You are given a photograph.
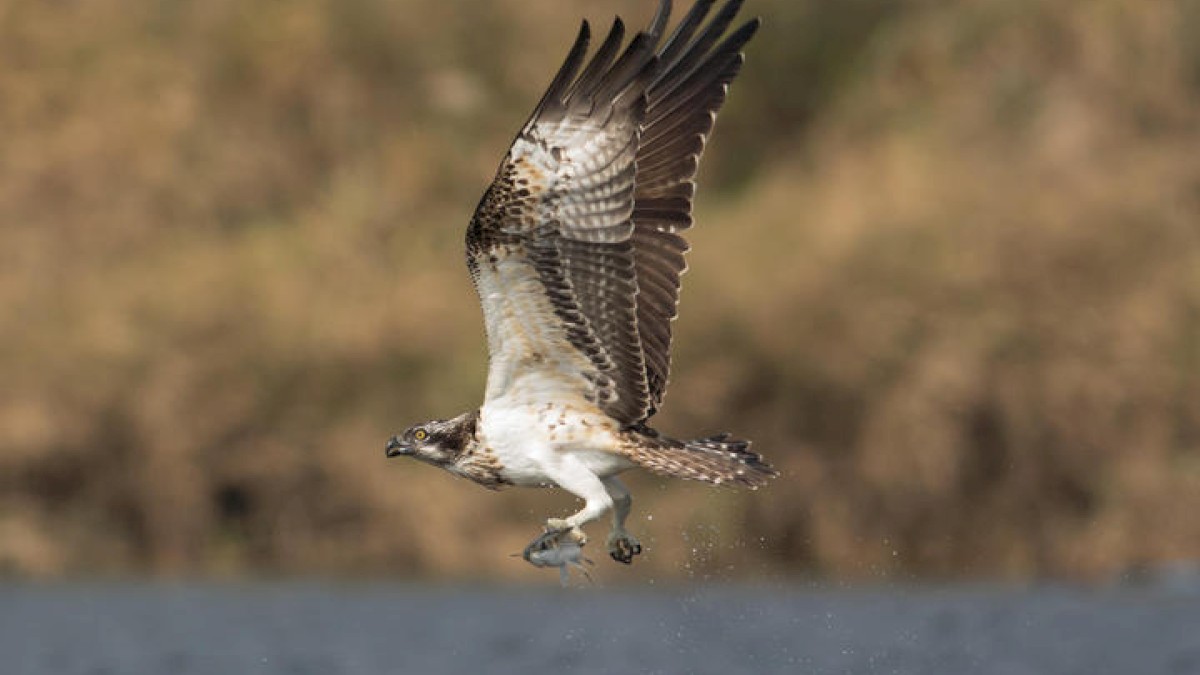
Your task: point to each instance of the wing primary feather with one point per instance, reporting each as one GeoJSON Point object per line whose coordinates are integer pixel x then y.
{"type": "Point", "coordinates": [659, 23]}
{"type": "Point", "coordinates": [566, 73]}
{"type": "Point", "coordinates": [638, 55]}
{"type": "Point", "coordinates": [681, 84]}
{"type": "Point", "coordinates": [694, 114]}
{"type": "Point", "coordinates": [683, 32]}
{"type": "Point", "coordinates": [637, 67]}
{"type": "Point", "coordinates": [715, 28]}
{"type": "Point", "coordinates": [697, 50]}
{"type": "Point", "coordinates": [738, 39]}
{"type": "Point", "coordinates": [587, 82]}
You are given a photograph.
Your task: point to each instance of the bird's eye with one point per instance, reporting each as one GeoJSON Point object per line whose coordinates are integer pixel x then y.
{"type": "Point", "coordinates": [420, 434]}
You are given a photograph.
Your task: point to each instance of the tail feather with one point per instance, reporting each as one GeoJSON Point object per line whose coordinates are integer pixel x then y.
{"type": "Point", "coordinates": [718, 459]}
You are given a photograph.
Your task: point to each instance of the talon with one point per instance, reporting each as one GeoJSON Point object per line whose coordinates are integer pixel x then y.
{"type": "Point", "coordinates": [622, 547]}
{"type": "Point", "coordinates": [565, 531]}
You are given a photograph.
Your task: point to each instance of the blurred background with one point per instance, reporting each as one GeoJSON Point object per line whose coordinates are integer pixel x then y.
{"type": "Point", "coordinates": [946, 274]}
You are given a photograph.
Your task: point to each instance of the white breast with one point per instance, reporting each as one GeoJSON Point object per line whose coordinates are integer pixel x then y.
{"type": "Point", "coordinates": [531, 441]}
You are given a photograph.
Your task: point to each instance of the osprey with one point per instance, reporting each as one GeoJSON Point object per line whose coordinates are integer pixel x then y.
{"type": "Point", "coordinates": [576, 251]}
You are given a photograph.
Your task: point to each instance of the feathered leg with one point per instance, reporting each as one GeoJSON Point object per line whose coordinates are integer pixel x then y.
{"type": "Point", "coordinates": [571, 475]}
{"type": "Point", "coordinates": [622, 546]}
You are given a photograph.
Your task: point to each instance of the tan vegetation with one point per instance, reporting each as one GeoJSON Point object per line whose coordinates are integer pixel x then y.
{"type": "Point", "coordinates": [946, 274]}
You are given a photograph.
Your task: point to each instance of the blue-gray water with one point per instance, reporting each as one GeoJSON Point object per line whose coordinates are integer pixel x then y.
{"type": "Point", "coordinates": [331, 629]}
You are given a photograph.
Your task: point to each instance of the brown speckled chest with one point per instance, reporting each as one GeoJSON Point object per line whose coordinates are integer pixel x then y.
{"type": "Point", "coordinates": [480, 465]}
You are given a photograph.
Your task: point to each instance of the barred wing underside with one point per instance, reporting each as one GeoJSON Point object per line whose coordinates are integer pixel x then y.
{"type": "Point", "coordinates": [574, 248]}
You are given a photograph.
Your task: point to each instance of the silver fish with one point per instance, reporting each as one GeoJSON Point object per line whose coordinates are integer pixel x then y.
{"type": "Point", "coordinates": [561, 555]}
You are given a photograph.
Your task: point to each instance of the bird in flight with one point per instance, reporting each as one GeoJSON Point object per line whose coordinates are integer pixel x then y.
{"type": "Point", "coordinates": [576, 250]}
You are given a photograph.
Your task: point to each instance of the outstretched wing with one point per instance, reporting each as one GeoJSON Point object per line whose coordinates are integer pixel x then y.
{"type": "Point", "coordinates": [682, 106]}
{"type": "Point", "coordinates": [585, 210]}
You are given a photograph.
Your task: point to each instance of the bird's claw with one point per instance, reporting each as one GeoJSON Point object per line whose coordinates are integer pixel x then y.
{"type": "Point", "coordinates": [566, 531]}
{"type": "Point", "coordinates": [622, 547]}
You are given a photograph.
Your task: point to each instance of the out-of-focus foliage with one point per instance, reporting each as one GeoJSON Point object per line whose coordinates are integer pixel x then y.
{"type": "Point", "coordinates": [946, 274]}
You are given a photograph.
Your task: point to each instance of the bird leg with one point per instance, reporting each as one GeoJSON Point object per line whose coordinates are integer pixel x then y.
{"type": "Point", "coordinates": [622, 546]}
{"type": "Point", "coordinates": [572, 476]}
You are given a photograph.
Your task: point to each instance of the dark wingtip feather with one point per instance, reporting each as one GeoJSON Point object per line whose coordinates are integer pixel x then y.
{"type": "Point", "coordinates": [587, 83]}
{"type": "Point", "coordinates": [566, 73]}
{"type": "Point", "coordinates": [659, 23]}
{"type": "Point", "coordinates": [683, 32]}
{"type": "Point", "coordinates": [738, 39]}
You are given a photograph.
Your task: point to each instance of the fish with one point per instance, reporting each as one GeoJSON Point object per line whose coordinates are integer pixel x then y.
{"type": "Point", "coordinates": [562, 555]}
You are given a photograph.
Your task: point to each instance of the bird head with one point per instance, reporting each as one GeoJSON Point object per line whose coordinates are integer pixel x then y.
{"type": "Point", "coordinates": [436, 442]}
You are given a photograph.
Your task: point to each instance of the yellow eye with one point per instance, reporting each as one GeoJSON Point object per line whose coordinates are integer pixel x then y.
{"type": "Point", "coordinates": [420, 434]}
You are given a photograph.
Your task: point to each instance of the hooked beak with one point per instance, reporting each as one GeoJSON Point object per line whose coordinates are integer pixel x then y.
{"type": "Point", "coordinates": [395, 447]}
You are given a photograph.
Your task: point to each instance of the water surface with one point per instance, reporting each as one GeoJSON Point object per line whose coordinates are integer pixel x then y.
{"type": "Point", "coordinates": [331, 629]}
